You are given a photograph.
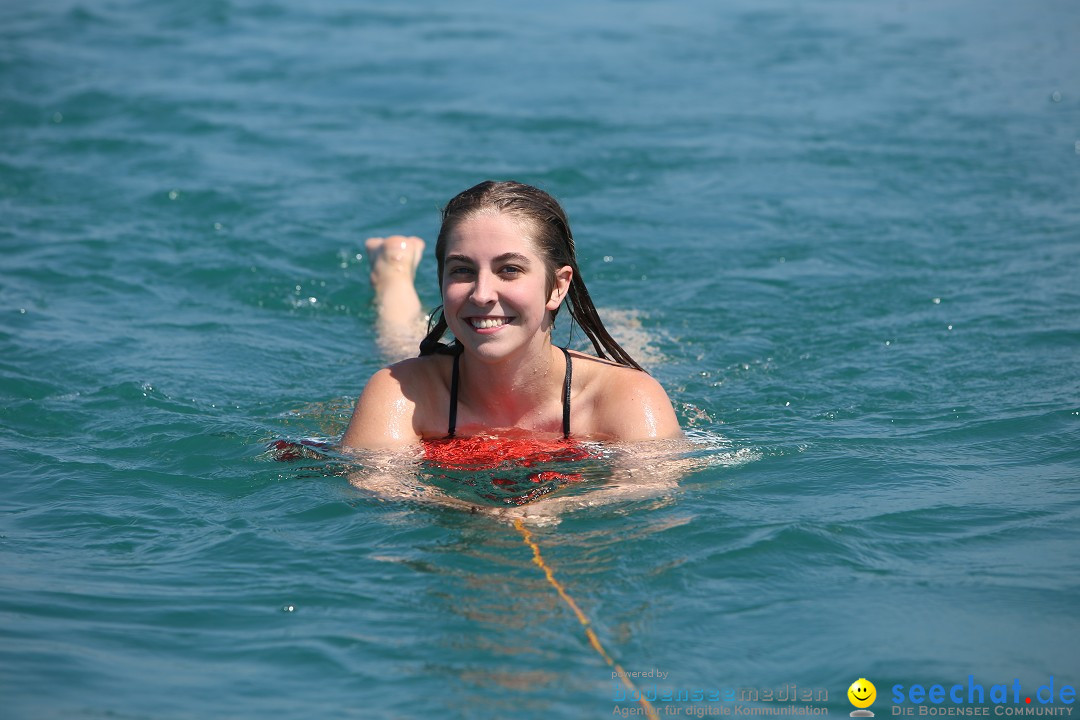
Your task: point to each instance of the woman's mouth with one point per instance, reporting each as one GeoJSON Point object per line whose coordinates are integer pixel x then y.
{"type": "Point", "coordinates": [488, 323]}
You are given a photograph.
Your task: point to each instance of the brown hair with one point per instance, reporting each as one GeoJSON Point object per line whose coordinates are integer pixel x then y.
{"type": "Point", "coordinates": [554, 241]}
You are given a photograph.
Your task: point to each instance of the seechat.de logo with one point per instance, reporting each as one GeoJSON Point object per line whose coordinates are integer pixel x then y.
{"type": "Point", "coordinates": [862, 694]}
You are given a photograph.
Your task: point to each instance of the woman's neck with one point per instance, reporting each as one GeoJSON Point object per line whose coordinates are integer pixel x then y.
{"type": "Point", "coordinates": [509, 393]}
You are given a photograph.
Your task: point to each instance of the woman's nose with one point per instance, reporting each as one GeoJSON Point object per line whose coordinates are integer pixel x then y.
{"type": "Point", "coordinates": [483, 292]}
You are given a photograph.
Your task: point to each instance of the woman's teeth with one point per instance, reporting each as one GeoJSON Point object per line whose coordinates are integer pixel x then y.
{"type": "Point", "coordinates": [487, 323]}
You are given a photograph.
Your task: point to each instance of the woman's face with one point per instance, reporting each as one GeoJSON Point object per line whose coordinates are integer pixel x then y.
{"type": "Point", "coordinates": [495, 287]}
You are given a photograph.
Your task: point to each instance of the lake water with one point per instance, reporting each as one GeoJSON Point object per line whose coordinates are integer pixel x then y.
{"type": "Point", "coordinates": [845, 236]}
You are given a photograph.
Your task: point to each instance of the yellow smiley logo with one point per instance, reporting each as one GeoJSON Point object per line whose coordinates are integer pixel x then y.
{"type": "Point", "coordinates": [862, 693]}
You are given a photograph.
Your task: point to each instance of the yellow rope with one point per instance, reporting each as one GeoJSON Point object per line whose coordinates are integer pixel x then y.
{"type": "Point", "coordinates": [650, 711]}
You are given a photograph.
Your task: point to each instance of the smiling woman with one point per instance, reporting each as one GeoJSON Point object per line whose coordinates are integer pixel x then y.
{"type": "Point", "coordinates": [506, 265]}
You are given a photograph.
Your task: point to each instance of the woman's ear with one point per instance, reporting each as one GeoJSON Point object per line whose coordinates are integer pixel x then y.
{"type": "Point", "coordinates": [563, 276]}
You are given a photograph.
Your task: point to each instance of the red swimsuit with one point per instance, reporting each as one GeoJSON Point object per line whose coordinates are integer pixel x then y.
{"type": "Point", "coordinates": [484, 452]}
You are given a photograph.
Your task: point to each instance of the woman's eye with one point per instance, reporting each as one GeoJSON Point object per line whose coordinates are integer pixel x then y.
{"type": "Point", "coordinates": [511, 270]}
{"type": "Point", "coordinates": [461, 270]}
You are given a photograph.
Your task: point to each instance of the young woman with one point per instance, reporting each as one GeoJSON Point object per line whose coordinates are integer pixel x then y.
{"type": "Point", "coordinates": [506, 266]}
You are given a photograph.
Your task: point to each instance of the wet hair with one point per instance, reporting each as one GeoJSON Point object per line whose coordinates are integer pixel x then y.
{"type": "Point", "coordinates": [542, 214]}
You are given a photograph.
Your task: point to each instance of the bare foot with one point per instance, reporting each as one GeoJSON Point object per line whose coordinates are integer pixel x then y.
{"type": "Point", "coordinates": [393, 259]}
{"type": "Point", "coordinates": [401, 321]}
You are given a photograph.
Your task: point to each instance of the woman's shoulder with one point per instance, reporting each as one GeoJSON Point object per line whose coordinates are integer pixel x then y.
{"type": "Point", "coordinates": [626, 403]}
{"type": "Point", "coordinates": [606, 371]}
{"type": "Point", "coordinates": [416, 379]}
{"type": "Point", "coordinates": [399, 403]}
{"type": "Point", "coordinates": [621, 385]}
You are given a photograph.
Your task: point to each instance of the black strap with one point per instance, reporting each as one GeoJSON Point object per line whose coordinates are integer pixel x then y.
{"type": "Point", "coordinates": [566, 395]}
{"type": "Point", "coordinates": [452, 425]}
{"type": "Point", "coordinates": [453, 398]}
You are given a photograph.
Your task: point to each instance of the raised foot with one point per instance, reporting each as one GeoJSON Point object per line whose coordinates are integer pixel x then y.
{"type": "Point", "coordinates": [393, 258]}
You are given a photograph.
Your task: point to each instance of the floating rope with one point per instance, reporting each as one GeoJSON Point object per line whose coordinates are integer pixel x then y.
{"type": "Point", "coordinates": [650, 711]}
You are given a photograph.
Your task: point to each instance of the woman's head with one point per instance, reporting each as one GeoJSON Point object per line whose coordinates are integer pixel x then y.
{"type": "Point", "coordinates": [544, 222]}
{"type": "Point", "coordinates": [538, 213]}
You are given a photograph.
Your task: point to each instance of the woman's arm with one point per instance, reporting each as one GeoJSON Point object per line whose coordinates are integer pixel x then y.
{"type": "Point", "coordinates": [640, 471]}
{"type": "Point", "coordinates": [383, 417]}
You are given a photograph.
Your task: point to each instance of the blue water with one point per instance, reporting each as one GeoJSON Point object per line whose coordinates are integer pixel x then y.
{"type": "Point", "coordinates": [844, 235]}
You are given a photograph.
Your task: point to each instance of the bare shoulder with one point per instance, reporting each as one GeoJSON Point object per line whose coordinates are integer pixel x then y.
{"type": "Point", "coordinates": [627, 404]}
{"type": "Point", "coordinates": [391, 410]}
{"type": "Point", "coordinates": [405, 379]}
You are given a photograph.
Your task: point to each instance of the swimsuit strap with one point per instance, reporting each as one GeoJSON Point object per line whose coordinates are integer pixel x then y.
{"type": "Point", "coordinates": [454, 381]}
{"type": "Point", "coordinates": [453, 398]}
{"type": "Point", "coordinates": [566, 395]}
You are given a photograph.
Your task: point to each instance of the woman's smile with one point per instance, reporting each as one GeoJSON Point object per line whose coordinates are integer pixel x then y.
{"type": "Point", "coordinates": [488, 324]}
